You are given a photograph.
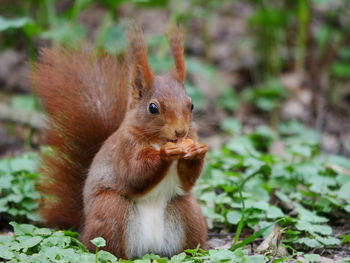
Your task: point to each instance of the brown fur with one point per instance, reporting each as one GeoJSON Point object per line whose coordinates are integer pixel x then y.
{"type": "Point", "coordinates": [136, 58]}
{"type": "Point", "coordinates": [195, 228]}
{"type": "Point", "coordinates": [141, 178]}
{"type": "Point", "coordinates": [103, 138]}
{"type": "Point", "coordinates": [176, 38]}
{"type": "Point", "coordinates": [189, 171]}
{"type": "Point", "coordinates": [108, 223]}
{"type": "Point", "coordinates": [73, 87]}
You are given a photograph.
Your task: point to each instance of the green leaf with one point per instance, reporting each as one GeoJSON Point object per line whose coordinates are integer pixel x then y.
{"type": "Point", "coordinates": [302, 150]}
{"type": "Point", "coordinates": [339, 161]}
{"type": "Point", "coordinates": [29, 204]}
{"type": "Point", "coordinates": [5, 252]}
{"type": "Point", "coordinates": [243, 146]}
{"type": "Point", "coordinates": [310, 242]}
{"type": "Point", "coordinates": [26, 162]}
{"type": "Point", "coordinates": [151, 256]}
{"type": "Point", "coordinates": [313, 228]}
{"type": "Point", "coordinates": [98, 242]}
{"type": "Point", "coordinates": [31, 242]}
{"type": "Point", "coordinates": [274, 212]}
{"type": "Point", "coordinates": [105, 256]}
{"type": "Point", "coordinates": [345, 239]}
{"type": "Point", "coordinates": [233, 217]}
{"type": "Point", "coordinates": [178, 258]}
{"type": "Point", "coordinates": [221, 255]}
{"type": "Point", "coordinates": [8, 23]}
{"type": "Point", "coordinates": [309, 216]}
{"type": "Point", "coordinates": [344, 192]}
{"type": "Point", "coordinates": [253, 164]}
{"type": "Point", "coordinates": [42, 232]}
{"type": "Point", "coordinates": [328, 240]}
{"type": "Point", "coordinates": [22, 229]}
{"type": "Point", "coordinates": [142, 261]}
{"type": "Point", "coordinates": [208, 197]}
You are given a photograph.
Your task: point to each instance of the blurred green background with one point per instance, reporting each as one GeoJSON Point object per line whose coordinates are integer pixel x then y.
{"type": "Point", "coordinates": [258, 61]}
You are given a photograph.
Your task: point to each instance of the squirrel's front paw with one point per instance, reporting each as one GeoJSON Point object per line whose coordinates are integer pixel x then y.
{"type": "Point", "coordinates": [195, 151]}
{"type": "Point", "coordinates": [171, 151]}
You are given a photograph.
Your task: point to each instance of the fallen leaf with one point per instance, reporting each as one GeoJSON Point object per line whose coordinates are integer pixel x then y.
{"type": "Point", "coordinates": [272, 244]}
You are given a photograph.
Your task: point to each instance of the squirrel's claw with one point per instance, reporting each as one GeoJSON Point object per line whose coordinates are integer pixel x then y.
{"type": "Point", "coordinates": [171, 151]}
{"type": "Point", "coordinates": [196, 151]}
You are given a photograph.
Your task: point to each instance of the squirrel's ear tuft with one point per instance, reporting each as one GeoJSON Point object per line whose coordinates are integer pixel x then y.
{"type": "Point", "coordinates": [137, 61]}
{"type": "Point", "coordinates": [175, 38]}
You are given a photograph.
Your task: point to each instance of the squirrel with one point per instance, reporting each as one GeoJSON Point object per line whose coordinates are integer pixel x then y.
{"type": "Point", "coordinates": [124, 150]}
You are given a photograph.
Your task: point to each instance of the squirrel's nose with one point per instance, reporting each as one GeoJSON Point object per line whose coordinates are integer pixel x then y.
{"type": "Point", "coordinates": [180, 133]}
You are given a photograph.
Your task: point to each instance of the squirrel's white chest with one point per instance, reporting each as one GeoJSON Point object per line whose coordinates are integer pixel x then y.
{"type": "Point", "coordinates": [152, 226]}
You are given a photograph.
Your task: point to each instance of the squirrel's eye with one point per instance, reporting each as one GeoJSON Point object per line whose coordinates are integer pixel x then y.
{"type": "Point", "coordinates": [192, 107]}
{"type": "Point", "coordinates": [153, 108]}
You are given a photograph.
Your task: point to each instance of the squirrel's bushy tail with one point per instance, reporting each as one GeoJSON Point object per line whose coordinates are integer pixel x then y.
{"type": "Point", "coordinates": [85, 100]}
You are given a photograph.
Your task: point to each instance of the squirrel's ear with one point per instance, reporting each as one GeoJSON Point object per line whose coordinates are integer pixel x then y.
{"type": "Point", "coordinates": [137, 61]}
{"type": "Point", "coordinates": [175, 38]}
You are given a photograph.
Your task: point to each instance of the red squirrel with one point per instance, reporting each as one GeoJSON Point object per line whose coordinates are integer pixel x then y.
{"type": "Point", "coordinates": [125, 153]}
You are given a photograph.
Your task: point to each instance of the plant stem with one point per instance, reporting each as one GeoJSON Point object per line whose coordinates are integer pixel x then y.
{"type": "Point", "coordinates": [243, 217]}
